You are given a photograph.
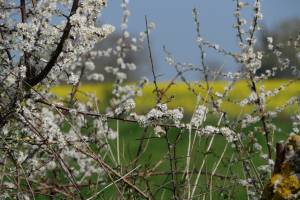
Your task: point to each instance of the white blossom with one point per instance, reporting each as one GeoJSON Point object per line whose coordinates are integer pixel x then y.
{"type": "Point", "coordinates": [73, 79]}
{"type": "Point", "coordinates": [199, 116]}
{"type": "Point", "coordinates": [228, 134]}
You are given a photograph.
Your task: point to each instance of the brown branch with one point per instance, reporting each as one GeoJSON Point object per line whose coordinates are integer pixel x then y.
{"type": "Point", "coordinates": [29, 70]}
{"type": "Point", "coordinates": [110, 170]}
{"type": "Point", "coordinates": [6, 49]}
{"type": "Point", "coordinates": [23, 10]}
{"type": "Point", "coordinates": [263, 118]}
{"type": "Point", "coordinates": [239, 23]}
{"type": "Point", "coordinates": [172, 162]}
{"type": "Point", "coordinates": [158, 95]}
{"type": "Point", "coordinates": [67, 110]}
{"type": "Point", "coordinates": [280, 155]}
{"type": "Point", "coordinates": [43, 74]}
{"type": "Point", "coordinates": [76, 86]}
{"type": "Point", "coordinates": [60, 160]}
{"type": "Point", "coordinates": [152, 173]}
{"type": "Point", "coordinates": [33, 2]}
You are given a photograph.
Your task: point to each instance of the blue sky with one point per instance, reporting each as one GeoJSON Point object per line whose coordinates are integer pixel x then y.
{"type": "Point", "coordinates": [175, 27]}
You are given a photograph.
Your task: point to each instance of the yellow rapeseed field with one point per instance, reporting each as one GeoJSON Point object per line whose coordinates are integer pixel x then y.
{"type": "Point", "coordinates": [181, 96]}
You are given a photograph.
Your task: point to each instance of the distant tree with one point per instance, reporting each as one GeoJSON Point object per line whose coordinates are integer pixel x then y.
{"type": "Point", "coordinates": [283, 36]}
{"type": "Point", "coordinates": [138, 58]}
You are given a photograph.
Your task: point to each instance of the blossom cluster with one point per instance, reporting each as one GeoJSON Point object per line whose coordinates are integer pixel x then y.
{"type": "Point", "coordinates": [161, 114]}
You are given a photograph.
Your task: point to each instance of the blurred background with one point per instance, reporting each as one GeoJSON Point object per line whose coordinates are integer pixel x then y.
{"type": "Point", "coordinates": [175, 29]}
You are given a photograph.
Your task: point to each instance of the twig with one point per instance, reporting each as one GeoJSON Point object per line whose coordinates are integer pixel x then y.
{"type": "Point", "coordinates": [152, 64]}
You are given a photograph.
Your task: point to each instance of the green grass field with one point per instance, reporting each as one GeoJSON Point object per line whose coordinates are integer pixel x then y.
{"type": "Point", "coordinates": [129, 142]}
{"type": "Point", "coordinates": [157, 149]}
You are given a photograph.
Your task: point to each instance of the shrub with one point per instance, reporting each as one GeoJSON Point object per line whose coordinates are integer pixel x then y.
{"type": "Point", "coordinates": [62, 148]}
